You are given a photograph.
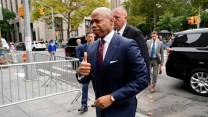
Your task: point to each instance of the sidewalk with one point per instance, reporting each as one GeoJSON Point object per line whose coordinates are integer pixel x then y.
{"type": "Point", "coordinates": [56, 106]}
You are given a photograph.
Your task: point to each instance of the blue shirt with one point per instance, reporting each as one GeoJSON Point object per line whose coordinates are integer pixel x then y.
{"type": "Point", "coordinates": [51, 47]}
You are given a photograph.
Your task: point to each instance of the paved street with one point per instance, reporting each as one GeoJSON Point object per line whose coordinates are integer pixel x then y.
{"type": "Point", "coordinates": [171, 99]}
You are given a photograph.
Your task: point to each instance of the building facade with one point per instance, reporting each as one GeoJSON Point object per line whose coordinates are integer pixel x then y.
{"type": "Point", "coordinates": [40, 31]}
{"type": "Point", "coordinates": [115, 3]}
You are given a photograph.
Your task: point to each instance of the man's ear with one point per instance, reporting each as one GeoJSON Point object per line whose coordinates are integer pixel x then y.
{"type": "Point", "coordinates": [112, 21]}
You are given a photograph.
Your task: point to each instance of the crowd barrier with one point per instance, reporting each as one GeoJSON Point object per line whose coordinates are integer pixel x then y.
{"type": "Point", "coordinates": [42, 78]}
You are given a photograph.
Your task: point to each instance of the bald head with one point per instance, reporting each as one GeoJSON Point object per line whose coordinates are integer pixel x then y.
{"type": "Point", "coordinates": [106, 12]}
{"type": "Point", "coordinates": [78, 41]}
{"type": "Point", "coordinates": [102, 21]}
{"type": "Point", "coordinates": [120, 17]}
{"type": "Point", "coordinates": [121, 10]}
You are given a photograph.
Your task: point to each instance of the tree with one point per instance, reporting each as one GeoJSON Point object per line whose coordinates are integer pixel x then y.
{"type": "Point", "coordinates": [152, 11]}
{"type": "Point", "coordinates": [72, 12]}
{"type": "Point", "coordinates": [5, 26]}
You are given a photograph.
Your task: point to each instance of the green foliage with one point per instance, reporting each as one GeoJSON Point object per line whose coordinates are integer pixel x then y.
{"type": "Point", "coordinates": [170, 15]}
{"type": "Point", "coordinates": [4, 24]}
{"type": "Point", "coordinates": [204, 17]}
{"type": "Point", "coordinates": [72, 11]}
{"type": "Point", "coordinates": [166, 22]}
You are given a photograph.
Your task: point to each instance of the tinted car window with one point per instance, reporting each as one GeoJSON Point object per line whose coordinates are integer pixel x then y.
{"type": "Point", "coordinates": [72, 41]}
{"type": "Point", "coordinates": [191, 40]}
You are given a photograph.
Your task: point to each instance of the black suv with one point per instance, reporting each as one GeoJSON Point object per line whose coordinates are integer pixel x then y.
{"type": "Point", "coordinates": [71, 45]}
{"type": "Point", "coordinates": [188, 59]}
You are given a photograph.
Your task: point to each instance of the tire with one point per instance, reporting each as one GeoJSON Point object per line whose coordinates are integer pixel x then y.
{"type": "Point", "coordinates": [197, 81]}
{"type": "Point", "coordinates": [33, 49]}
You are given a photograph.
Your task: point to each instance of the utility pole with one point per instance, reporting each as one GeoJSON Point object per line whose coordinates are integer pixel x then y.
{"type": "Point", "coordinates": [30, 72]}
{"type": "Point", "coordinates": [199, 18]}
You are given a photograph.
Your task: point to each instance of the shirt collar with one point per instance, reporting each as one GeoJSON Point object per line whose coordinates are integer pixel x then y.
{"type": "Point", "coordinates": [108, 37]}
{"type": "Point", "coordinates": [155, 40]}
{"type": "Point", "coordinates": [122, 30]}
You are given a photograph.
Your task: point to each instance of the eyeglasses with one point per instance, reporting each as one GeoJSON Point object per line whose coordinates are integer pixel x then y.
{"type": "Point", "coordinates": [97, 21]}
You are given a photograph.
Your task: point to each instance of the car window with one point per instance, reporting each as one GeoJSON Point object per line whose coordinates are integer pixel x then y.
{"type": "Point", "coordinates": [191, 40]}
{"type": "Point", "coordinates": [180, 41]}
{"type": "Point", "coordinates": [198, 40]}
{"type": "Point", "coordinates": [72, 41]}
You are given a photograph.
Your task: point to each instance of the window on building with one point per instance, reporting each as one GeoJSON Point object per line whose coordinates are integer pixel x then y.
{"type": "Point", "coordinates": [1, 3]}
{"type": "Point", "coordinates": [74, 32]}
{"type": "Point", "coordinates": [11, 6]}
{"type": "Point", "coordinates": [16, 5]}
{"type": "Point", "coordinates": [58, 27]}
{"type": "Point", "coordinates": [5, 1]}
{"type": "Point", "coordinates": [87, 26]}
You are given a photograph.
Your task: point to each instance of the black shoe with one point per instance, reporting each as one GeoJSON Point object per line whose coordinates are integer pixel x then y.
{"type": "Point", "coordinates": [93, 105]}
{"type": "Point", "coordinates": [83, 109]}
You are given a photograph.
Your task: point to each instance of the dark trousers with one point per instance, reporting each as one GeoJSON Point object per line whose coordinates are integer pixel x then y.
{"type": "Point", "coordinates": [84, 94]}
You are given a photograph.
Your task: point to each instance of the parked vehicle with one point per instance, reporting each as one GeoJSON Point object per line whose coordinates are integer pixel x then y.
{"type": "Point", "coordinates": [5, 45]}
{"type": "Point", "coordinates": [21, 46]}
{"type": "Point", "coordinates": [188, 59]}
{"type": "Point", "coordinates": [71, 45]}
{"type": "Point", "coordinates": [36, 45]}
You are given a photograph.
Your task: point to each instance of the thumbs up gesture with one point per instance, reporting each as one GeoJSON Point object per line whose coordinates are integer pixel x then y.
{"type": "Point", "coordinates": [85, 67]}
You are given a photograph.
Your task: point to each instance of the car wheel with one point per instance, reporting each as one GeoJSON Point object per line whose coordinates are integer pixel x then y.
{"type": "Point", "coordinates": [33, 49]}
{"type": "Point", "coordinates": [198, 81]}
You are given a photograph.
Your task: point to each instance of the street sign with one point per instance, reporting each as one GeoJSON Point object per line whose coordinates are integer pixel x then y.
{"type": "Point", "coordinates": [1, 14]}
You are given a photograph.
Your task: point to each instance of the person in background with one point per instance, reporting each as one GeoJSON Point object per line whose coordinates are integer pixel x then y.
{"type": "Point", "coordinates": [89, 38]}
{"type": "Point", "coordinates": [130, 32]}
{"type": "Point", "coordinates": [78, 48]}
{"type": "Point", "coordinates": [156, 54]}
{"type": "Point", "coordinates": [12, 47]}
{"type": "Point", "coordinates": [51, 49]}
{"type": "Point", "coordinates": [115, 66]}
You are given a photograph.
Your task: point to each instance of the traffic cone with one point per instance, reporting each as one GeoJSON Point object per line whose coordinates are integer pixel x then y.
{"type": "Point", "coordinates": [24, 56]}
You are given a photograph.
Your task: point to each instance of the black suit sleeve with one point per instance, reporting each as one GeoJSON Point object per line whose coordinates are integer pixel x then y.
{"type": "Point", "coordinates": [137, 35]}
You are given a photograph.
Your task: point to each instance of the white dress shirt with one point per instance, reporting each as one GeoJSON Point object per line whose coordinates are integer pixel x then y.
{"type": "Point", "coordinates": [107, 40]}
{"type": "Point", "coordinates": [122, 30]}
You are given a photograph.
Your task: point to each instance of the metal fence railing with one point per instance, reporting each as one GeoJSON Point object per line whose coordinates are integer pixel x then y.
{"type": "Point", "coordinates": [46, 78]}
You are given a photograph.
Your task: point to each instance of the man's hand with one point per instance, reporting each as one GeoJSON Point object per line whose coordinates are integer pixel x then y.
{"type": "Point", "coordinates": [85, 67]}
{"type": "Point", "coordinates": [104, 101]}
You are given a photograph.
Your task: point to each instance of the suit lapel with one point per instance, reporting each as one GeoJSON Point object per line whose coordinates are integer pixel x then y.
{"type": "Point", "coordinates": [125, 31]}
{"type": "Point", "coordinates": [93, 55]}
{"type": "Point", "coordinates": [111, 50]}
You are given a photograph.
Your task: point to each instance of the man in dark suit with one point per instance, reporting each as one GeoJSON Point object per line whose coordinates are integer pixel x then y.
{"type": "Point", "coordinates": [89, 38]}
{"type": "Point", "coordinates": [78, 48]}
{"type": "Point", "coordinates": [125, 30]}
{"type": "Point", "coordinates": [115, 66]}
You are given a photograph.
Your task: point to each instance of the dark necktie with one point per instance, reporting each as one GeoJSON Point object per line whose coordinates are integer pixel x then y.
{"type": "Point", "coordinates": [153, 50]}
{"type": "Point", "coordinates": [100, 55]}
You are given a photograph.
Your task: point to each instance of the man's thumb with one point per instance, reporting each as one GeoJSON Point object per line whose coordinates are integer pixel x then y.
{"type": "Point", "coordinates": [85, 57]}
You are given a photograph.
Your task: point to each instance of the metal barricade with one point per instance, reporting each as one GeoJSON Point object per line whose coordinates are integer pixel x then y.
{"type": "Point", "coordinates": [14, 57]}
{"type": "Point", "coordinates": [52, 78]}
{"type": "Point", "coordinates": [39, 57]}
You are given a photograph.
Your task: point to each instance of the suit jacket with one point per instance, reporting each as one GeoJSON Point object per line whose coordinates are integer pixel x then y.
{"type": "Point", "coordinates": [159, 50]}
{"type": "Point", "coordinates": [78, 50]}
{"type": "Point", "coordinates": [124, 74]}
{"type": "Point", "coordinates": [131, 32]}
{"type": "Point", "coordinates": [82, 50]}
